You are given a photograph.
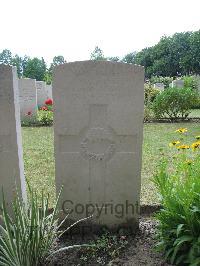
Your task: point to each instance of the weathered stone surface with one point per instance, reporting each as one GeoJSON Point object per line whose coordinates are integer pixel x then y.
{"type": "Point", "coordinates": [159, 86]}
{"type": "Point", "coordinates": [27, 98]}
{"type": "Point", "coordinates": [41, 93]}
{"type": "Point", "coordinates": [11, 161]}
{"type": "Point", "coordinates": [98, 139]}
{"type": "Point", "coordinates": [178, 83]}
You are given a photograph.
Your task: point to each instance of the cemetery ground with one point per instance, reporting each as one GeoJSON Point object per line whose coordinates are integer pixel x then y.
{"type": "Point", "coordinates": [110, 249]}
{"type": "Point", "coordinates": [39, 156]}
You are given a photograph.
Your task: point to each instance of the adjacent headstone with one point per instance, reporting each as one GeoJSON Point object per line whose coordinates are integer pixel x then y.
{"type": "Point", "coordinates": [41, 93]}
{"type": "Point", "coordinates": [178, 83]}
{"type": "Point", "coordinates": [98, 140]}
{"type": "Point", "coordinates": [27, 98]}
{"type": "Point", "coordinates": [159, 86]}
{"type": "Point", "coordinates": [48, 90]}
{"type": "Point", "coordinates": [11, 162]}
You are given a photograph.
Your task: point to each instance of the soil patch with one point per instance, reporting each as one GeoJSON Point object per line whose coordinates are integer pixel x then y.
{"type": "Point", "coordinates": [121, 249]}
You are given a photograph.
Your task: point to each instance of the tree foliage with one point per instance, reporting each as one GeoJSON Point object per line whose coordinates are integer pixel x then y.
{"type": "Point", "coordinates": [35, 68]}
{"type": "Point", "coordinates": [113, 59]}
{"type": "Point", "coordinates": [172, 56]}
{"type": "Point", "coordinates": [129, 58]}
{"type": "Point", "coordinates": [6, 57]}
{"type": "Point", "coordinates": [97, 54]}
{"type": "Point", "coordinates": [176, 55]}
{"type": "Point", "coordinates": [57, 60]}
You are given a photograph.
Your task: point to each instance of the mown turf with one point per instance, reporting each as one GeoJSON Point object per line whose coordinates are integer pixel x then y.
{"type": "Point", "coordinates": [39, 158]}
{"type": "Point", "coordinates": [155, 145]}
{"type": "Point", "coordinates": [39, 155]}
{"type": "Point", "coordinates": [195, 113]}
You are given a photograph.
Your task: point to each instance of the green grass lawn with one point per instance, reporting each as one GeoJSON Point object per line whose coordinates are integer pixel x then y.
{"type": "Point", "coordinates": [195, 113]}
{"type": "Point", "coordinates": [39, 155]}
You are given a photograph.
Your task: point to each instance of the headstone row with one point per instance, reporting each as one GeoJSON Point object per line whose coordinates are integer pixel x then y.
{"type": "Point", "coordinates": [98, 139]}
{"type": "Point", "coordinates": [160, 86]}
{"type": "Point", "coordinates": [175, 84]}
{"type": "Point", "coordinates": [33, 95]}
{"type": "Point", "coordinates": [27, 98]}
{"type": "Point", "coordinates": [178, 83]}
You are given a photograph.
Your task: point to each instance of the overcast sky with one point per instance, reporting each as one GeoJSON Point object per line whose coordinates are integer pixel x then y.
{"type": "Point", "coordinates": [73, 28]}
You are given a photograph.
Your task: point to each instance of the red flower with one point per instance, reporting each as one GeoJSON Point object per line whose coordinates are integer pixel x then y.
{"type": "Point", "coordinates": [49, 102]}
{"type": "Point", "coordinates": [29, 113]}
{"type": "Point", "coordinates": [44, 108]}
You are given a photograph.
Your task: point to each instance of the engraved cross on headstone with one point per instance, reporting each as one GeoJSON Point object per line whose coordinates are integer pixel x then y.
{"type": "Point", "coordinates": [97, 143]}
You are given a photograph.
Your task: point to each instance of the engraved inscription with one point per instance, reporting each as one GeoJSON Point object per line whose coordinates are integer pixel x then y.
{"type": "Point", "coordinates": [98, 144]}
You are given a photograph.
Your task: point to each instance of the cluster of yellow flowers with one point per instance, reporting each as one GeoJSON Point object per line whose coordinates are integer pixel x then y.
{"type": "Point", "coordinates": [176, 143]}
{"type": "Point", "coordinates": [181, 130]}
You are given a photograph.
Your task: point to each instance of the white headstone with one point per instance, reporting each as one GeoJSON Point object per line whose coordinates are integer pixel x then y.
{"type": "Point", "coordinates": [41, 93]}
{"type": "Point", "coordinates": [159, 86]}
{"type": "Point", "coordinates": [27, 98]}
{"type": "Point", "coordinates": [178, 83]}
{"type": "Point", "coordinates": [98, 140]}
{"type": "Point", "coordinates": [49, 91]}
{"type": "Point", "coordinates": [11, 161]}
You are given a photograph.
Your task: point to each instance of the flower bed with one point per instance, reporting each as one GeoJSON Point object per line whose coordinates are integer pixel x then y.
{"type": "Point", "coordinates": [178, 183]}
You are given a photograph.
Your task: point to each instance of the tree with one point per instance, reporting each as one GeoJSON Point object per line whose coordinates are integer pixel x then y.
{"type": "Point", "coordinates": [97, 54]}
{"type": "Point", "coordinates": [48, 78]}
{"type": "Point", "coordinates": [18, 62]}
{"type": "Point", "coordinates": [129, 58]}
{"type": "Point", "coordinates": [145, 58]}
{"type": "Point", "coordinates": [113, 59]}
{"type": "Point", "coordinates": [35, 68]}
{"type": "Point", "coordinates": [195, 52]}
{"type": "Point", "coordinates": [6, 57]}
{"type": "Point", "coordinates": [172, 56]}
{"type": "Point", "coordinates": [57, 60]}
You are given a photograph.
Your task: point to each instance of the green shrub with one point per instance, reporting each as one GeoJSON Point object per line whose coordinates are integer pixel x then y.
{"type": "Point", "coordinates": [190, 82]}
{"type": "Point", "coordinates": [174, 103]}
{"type": "Point", "coordinates": [148, 114]}
{"type": "Point", "coordinates": [177, 181]}
{"type": "Point", "coordinates": [150, 93]}
{"type": "Point", "coordinates": [45, 117]}
{"type": "Point", "coordinates": [197, 104]}
{"type": "Point", "coordinates": [27, 238]}
{"type": "Point", "coordinates": [29, 119]}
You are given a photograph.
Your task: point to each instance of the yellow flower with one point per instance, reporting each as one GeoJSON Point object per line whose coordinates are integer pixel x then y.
{"type": "Point", "coordinates": [174, 143]}
{"type": "Point", "coordinates": [197, 137]}
{"type": "Point", "coordinates": [183, 147]}
{"type": "Point", "coordinates": [188, 162]}
{"type": "Point", "coordinates": [195, 145]}
{"type": "Point", "coordinates": [181, 130]}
